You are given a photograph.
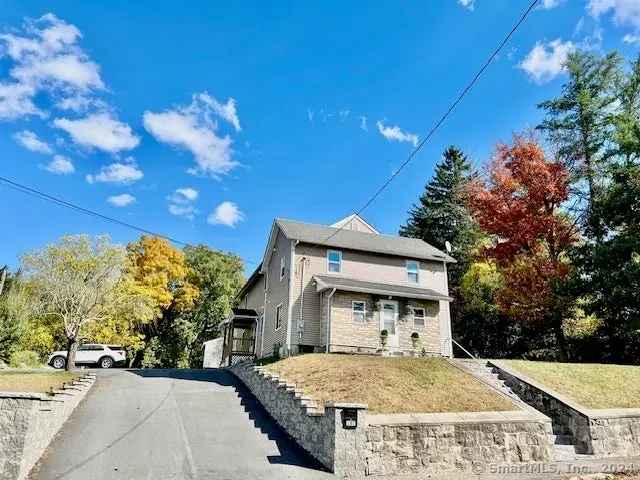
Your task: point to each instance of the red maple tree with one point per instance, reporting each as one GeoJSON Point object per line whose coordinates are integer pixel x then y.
{"type": "Point", "coordinates": [519, 205]}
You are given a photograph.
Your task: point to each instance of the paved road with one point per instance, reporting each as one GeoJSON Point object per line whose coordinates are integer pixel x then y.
{"type": "Point", "coordinates": [172, 424]}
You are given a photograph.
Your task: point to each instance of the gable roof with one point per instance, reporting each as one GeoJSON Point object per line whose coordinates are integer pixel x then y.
{"type": "Point", "coordinates": [355, 219]}
{"type": "Point", "coordinates": [367, 242]}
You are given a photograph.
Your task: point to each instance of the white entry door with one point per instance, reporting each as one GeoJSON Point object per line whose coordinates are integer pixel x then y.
{"type": "Point", "coordinates": [389, 322]}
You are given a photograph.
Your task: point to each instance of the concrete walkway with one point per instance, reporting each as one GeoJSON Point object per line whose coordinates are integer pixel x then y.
{"type": "Point", "coordinates": [172, 424]}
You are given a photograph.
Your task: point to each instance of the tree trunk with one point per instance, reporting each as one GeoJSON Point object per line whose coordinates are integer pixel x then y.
{"type": "Point", "coordinates": [72, 348]}
{"type": "Point", "coordinates": [560, 339]}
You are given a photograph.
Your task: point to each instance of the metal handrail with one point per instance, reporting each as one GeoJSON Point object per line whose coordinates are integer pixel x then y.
{"type": "Point", "coordinates": [464, 350]}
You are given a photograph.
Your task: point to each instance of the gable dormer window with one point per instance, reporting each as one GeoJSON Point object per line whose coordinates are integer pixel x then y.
{"type": "Point", "coordinates": [413, 271]}
{"type": "Point", "coordinates": [334, 261]}
{"type": "Point", "coordinates": [283, 268]}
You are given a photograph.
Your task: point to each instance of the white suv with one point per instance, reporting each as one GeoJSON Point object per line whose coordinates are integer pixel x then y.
{"type": "Point", "coordinates": [103, 356]}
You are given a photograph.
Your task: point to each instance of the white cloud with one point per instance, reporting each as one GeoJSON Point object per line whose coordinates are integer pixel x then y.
{"type": "Point", "coordinates": [625, 12]}
{"type": "Point", "coordinates": [45, 58]}
{"type": "Point", "coordinates": [181, 202]}
{"type": "Point", "coordinates": [549, 4]}
{"type": "Point", "coordinates": [16, 100]}
{"type": "Point", "coordinates": [227, 213]}
{"type": "Point", "coordinates": [310, 115]}
{"type": "Point", "coordinates": [363, 123]}
{"type": "Point", "coordinates": [193, 128]}
{"type": "Point", "coordinates": [395, 133]}
{"type": "Point", "coordinates": [99, 130]}
{"type": "Point", "coordinates": [631, 39]}
{"type": "Point", "coordinates": [469, 4]}
{"type": "Point", "coordinates": [60, 165]}
{"type": "Point", "coordinates": [226, 111]}
{"type": "Point", "coordinates": [546, 61]}
{"type": "Point", "coordinates": [30, 141]}
{"type": "Point", "coordinates": [120, 173]}
{"type": "Point", "coordinates": [121, 200]}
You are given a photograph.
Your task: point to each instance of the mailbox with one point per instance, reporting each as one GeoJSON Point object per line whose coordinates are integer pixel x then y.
{"type": "Point", "coordinates": [349, 418]}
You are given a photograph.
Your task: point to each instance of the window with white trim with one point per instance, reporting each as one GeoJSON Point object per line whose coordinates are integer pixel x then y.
{"type": "Point", "coordinates": [283, 268]}
{"type": "Point", "coordinates": [418, 317]}
{"type": "Point", "coordinates": [359, 311]}
{"type": "Point", "coordinates": [278, 322]}
{"type": "Point", "coordinates": [334, 261]}
{"type": "Point", "coordinates": [413, 271]}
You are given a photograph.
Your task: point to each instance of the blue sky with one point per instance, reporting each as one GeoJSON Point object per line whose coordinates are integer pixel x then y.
{"type": "Point", "coordinates": [204, 121]}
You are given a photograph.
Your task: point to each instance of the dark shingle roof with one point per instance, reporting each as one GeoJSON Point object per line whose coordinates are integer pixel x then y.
{"type": "Point", "coordinates": [368, 242]}
{"type": "Point", "coordinates": [325, 282]}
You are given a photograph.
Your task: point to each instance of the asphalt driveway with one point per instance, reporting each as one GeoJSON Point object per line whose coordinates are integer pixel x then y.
{"type": "Point", "coordinates": [172, 424]}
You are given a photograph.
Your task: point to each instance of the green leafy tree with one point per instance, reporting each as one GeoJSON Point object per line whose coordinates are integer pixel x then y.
{"type": "Point", "coordinates": [579, 124]}
{"type": "Point", "coordinates": [218, 276]}
{"type": "Point", "coordinates": [441, 213]}
{"type": "Point", "coordinates": [14, 312]}
{"type": "Point", "coordinates": [73, 280]}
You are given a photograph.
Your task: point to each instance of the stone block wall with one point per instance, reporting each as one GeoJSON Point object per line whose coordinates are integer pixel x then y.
{"type": "Point", "coordinates": [28, 423]}
{"type": "Point", "coordinates": [397, 444]}
{"type": "Point", "coordinates": [604, 433]}
{"type": "Point", "coordinates": [317, 430]}
{"type": "Point", "coordinates": [438, 443]}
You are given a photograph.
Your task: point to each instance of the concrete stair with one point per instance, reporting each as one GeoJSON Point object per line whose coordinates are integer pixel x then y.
{"type": "Point", "coordinates": [563, 445]}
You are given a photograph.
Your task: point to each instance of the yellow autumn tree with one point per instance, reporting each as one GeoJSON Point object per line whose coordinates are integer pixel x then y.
{"type": "Point", "coordinates": [158, 271]}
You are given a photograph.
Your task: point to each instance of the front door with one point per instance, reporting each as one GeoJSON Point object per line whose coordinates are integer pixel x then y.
{"type": "Point", "coordinates": [389, 322]}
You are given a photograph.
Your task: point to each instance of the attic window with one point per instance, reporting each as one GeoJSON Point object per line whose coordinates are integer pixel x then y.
{"type": "Point", "coordinates": [413, 271]}
{"type": "Point", "coordinates": [334, 261]}
{"type": "Point", "coordinates": [283, 268]}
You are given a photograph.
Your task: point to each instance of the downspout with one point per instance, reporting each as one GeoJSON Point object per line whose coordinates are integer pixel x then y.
{"type": "Point", "coordinates": [264, 310]}
{"type": "Point", "coordinates": [449, 334]}
{"type": "Point", "coordinates": [290, 296]}
{"type": "Point", "coordinates": [329, 317]}
{"type": "Point", "coordinates": [301, 319]}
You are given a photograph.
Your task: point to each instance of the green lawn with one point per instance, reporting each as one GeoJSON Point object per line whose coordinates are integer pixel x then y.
{"type": "Point", "coordinates": [33, 380]}
{"type": "Point", "coordinates": [591, 385]}
{"type": "Point", "coordinates": [390, 385]}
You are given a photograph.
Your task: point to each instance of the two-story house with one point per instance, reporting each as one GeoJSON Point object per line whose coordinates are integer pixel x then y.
{"type": "Point", "coordinates": [335, 288]}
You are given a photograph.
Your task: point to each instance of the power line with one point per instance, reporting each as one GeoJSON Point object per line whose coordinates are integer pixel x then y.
{"type": "Point", "coordinates": [452, 107]}
{"type": "Point", "coordinates": [64, 203]}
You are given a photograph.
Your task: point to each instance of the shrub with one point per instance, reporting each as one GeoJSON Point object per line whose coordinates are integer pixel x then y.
{"type": "Point", "coordinates": [25, 359]}
{"type": "Point", "coordinates": [415, 335]}
{"type": "Point", "coordinates": [384, 333]}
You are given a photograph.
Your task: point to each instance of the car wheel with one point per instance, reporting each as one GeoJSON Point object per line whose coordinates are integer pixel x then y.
{"type": "Point", "coordinates": [106, 362]}
{"type": "Point", "coordinates": [58, 362]}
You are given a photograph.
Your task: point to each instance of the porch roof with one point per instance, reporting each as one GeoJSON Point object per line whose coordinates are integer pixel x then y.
{"type": "Point", "coordinates": [326, 282]}
{"type": "Point", "coordinates": [241, 317]}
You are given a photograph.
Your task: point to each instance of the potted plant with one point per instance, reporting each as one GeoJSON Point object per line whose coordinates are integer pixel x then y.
{"type": "Point", "coordinates": [384, 336]}
{"type": "Point", "coordinates": [415, 340]}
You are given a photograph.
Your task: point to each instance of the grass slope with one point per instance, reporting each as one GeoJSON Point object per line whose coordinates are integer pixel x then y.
{"type": "Point", "coordinates": [591, 385]}
{"type": "Point", "coordinates": [390, 385]}
{"type": "Point", "coordinates": [33, 380]}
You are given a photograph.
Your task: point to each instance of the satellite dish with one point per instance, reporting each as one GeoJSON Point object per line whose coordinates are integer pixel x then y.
{"type": "Point", "coordinates": [447, 245]}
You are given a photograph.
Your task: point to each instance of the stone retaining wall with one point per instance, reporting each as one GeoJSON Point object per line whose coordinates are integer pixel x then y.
{"type": "Point", "coordinates": [401, 443]}
{"type": "Point", "coordinates": [436, 443]}
{"type": "Point", "coordinates": [605, 433]}
{"type": "Point", "coordinates": [318, 431]}
{"type": "Point", "coordinates": [29, 421]}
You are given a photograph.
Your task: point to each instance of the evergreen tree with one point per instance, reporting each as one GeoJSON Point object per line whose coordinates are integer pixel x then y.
{"type": "Point", "coordinates": [579, 123]}
{"type": "Point", "coordinates": [442, 215]}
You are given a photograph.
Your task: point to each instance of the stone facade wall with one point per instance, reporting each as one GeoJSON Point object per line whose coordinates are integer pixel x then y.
{"type": "Point", "coordinates": [28, 423]}
{"type": "Point", "coordinates": [349, 335]}
{"type": "Point", "coordinates": [430, 444]}
{"type": "Point", "coordinates": [605, 433]}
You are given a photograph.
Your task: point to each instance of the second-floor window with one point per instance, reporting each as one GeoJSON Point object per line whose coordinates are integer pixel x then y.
{"type": "Point", "coordinates": [283, 268]}
{"type": "Point", "coordinates": [413, 271]}
{"type": "Point", "coordinates": [334, 261]}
